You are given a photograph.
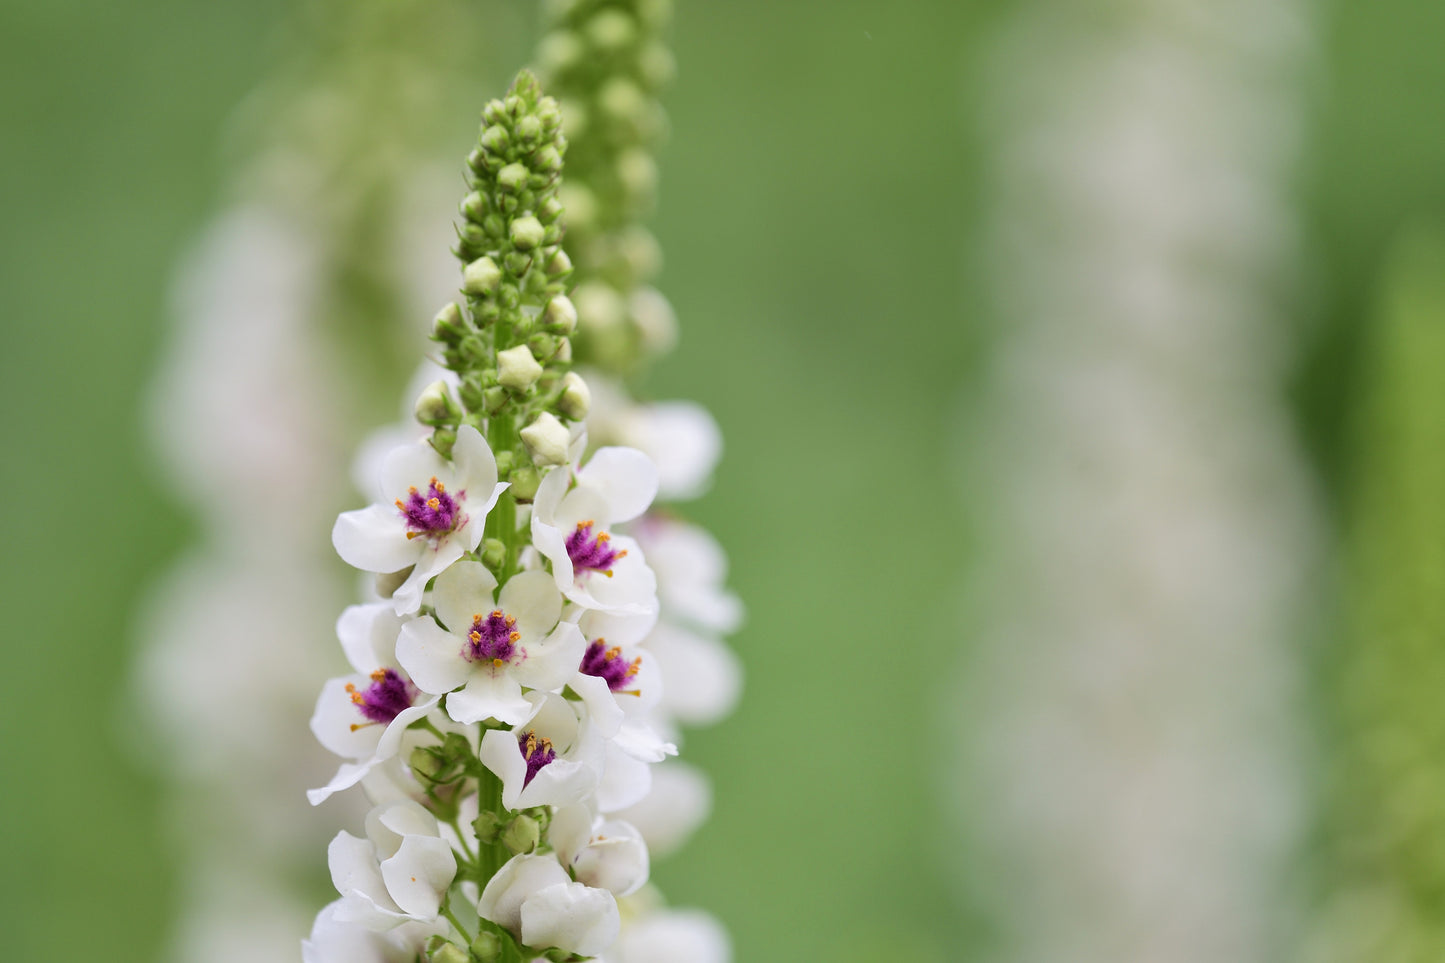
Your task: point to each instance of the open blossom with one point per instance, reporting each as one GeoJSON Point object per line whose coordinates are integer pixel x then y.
{"type": "Point", "coordinates": [593, 566]}
{"type": "Point", "coordinates": [398, 873]}
{"type": "Point", "coordinates": [606, 853]}
{"type": "Point", "coordinates": [680, 437]}
{"type": "Point", "coordinates": [436, 515]}
{"type": "Point", "coordinates": [551, 758]}
{"type": "Point", "coordinates": [335, 941]}
{"type": "Point", "coordinates": [534, 898]}
{"type": "Point", "coordinates": [364, 717]}
{"type": "Point", "coordinates": [490, 648]}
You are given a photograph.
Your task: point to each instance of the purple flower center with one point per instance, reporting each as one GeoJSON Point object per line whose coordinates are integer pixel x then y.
{"type": "Point", "coordinates": [435, 513]}
{"type": "Point", "coordinates": [609, 665]}
{"type": "Point", "coordinates": [493, 638]}
{"type": "Point", "coordinates": [537, 751]}
{"type": "Point", "coordinates": [589, 551]}
{"type": "Point", "coordinates": [385, 699]}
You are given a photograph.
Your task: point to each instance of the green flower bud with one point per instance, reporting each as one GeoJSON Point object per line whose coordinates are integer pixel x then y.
{"type": "Point", "coordinates": [611, 30]}
{"type": "Point", "coordinates": [657, 65]}
{"type": "Point", "coordinates": [559, 51]}
{"type": "Point", "coordinates": [426, 763]}
{"type": "Point", "coordinates": [516, 264]}
{"type": "Point", "coordinates": [599, 307]}
{"type": "Point", "coordinates": [524, 483]}
{"type": "Point", "coordinates": [493, 399]}
{"type": "Point", "coordinates": [638, 173]}
{"type": "Point", "coordinates": [543, 346]}
{"type": "Point", "coordinates": [655, 321]}
{"type": "Point", "coordinates": [495, 140]}
{"type": "Point", "coordinates": [529, 129]}
{"type": "Point", "coordinates": [576, 398]}
{"type": "Point", "coordinates": [477, 161]}
{"type": "Point", "coordinates": [625, 101]}
{"type": "Point", "coordinates": [560, 314]}
{"type": "Point", "coordinates": [581, 206]}
{"type": "Point", "coordinates": [494, 553]}
{"type": "Point", "coordinates": [560, 265]}
{"type": "Point", "coordinates": [442, 439]}
{"type": "Point", "coordinates": [448, 326]}
{"type": "Point", "coordinates": [487, 826]}
{"type": "Point", "coordinates": [487, 947]}
{"type": "Point", "coordinates": [549, 113]}
{"type": "Point", "coordinates": [550, 210]}
{"type": "Point", "coordinates": [546, 439]}
{"type": "Point", "coordinates": [505, 460]}
{"type": "Point", "coordinates": [548, 160]}
{"type": "Point", "coordinates": [474, 206]}
{"type": "Point", "coordinates": [517, 369]}
{"type": "Point", "coordinates": [564, 351]}
{"type": "Point", "coordinates": [527, 233]}
{"type": "Point", "coordinates": [513, 178]}
{"type": "Point", "coordinates": [522, 835]}
{"type": "Point", "coordinates": [449, 953]}
{"type": "Point", "coordinates": [481, 277]}
{"type": "Point", "coordinates": [435, 406]}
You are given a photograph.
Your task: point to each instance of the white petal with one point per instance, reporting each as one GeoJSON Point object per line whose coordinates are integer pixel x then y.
{"type": "Point", "coordinates": [572, 917]}
{"type": "Point", "coordinates": [640, 741]}
{"type": "Point", "coordinates": [602, 707]}
{"type": "Point", "coordinates": [412, 466]}
{"type": "Point", "coordinates": [347, 775]}
{"type": "Point", "coordinates": [615, 860]}
{"type": "Point", "coordinates": [679, 802]}
{"type": "Point", "coordinates": [684, 440]}
{"type": "Point", "coordinates": [476, 469]}
{"type": "Point", "coordinates": [669, 935]}
{"type": "Point", "coordinates": [559, 783]}
{"type": "Point", "coordinates": [701, 677]}
{"type": "Point", "coordinates": [373, 539]}
{"type": "Point", "coordinates": [336, 715]}
{"type": "Point", "coordinates": [570, 830]}
{"type": "Point", "coordinates": [550, 662]}
{"type": "Point", "coordinates": [354, 872]}
{"type": "Point", "coordinates": [618, 628]}
{"type": "Point", "coordinates": [368, 635]}
{"type": "Point", "coordinates": [432, 561]}
{"type": "Point", "coordinates": [402, 819]}
{"type": "Point", "coordinates": [462, 592]}
{"type": "Point", "coordinates": [533, 600]}
{"type": "Point", "coordinates": [477, 509]}
{"type": "Point", "coordinates": [499, 753]}
{"type": "Point", "coordinates": [625, 781]}
{"type": "Point", "coordinates": [625, 478]}
{"type": "Point", "coordinates": [419, 874]}
{"type": "Point", "coordinates": [631, 588]}
{"type": "Point", "coordinates": [549, 494]}
{"type": "Point", "coordinates": [489, 695]}
{"type": "Point", "coordinates": [432, 656]}
{"type": "Point", "coordinates": [518, 879]}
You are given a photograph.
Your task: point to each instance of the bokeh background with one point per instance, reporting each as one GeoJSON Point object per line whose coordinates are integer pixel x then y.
{"type": "Point", "coordinates": [863, 205]}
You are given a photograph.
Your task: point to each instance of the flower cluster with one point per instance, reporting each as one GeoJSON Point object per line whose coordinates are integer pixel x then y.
{"type": "Point", "coordinates": [515, 680]}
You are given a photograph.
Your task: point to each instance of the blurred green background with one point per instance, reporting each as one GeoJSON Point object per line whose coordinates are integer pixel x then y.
{"type": "Point", "coordinates": [818, 209]}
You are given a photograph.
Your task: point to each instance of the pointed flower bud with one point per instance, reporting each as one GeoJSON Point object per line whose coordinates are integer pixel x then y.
{"type": "Point", "coordinates": [527, 233]}
{"type": "Point", "coordinates": [546, 439]}
{"type": "Point", "coordinates": [436, 407]}
{"type": "Point", "coordinates": [576, 398]}
{"type": "Point", "coordinates": [481, 277]}
{"type": "Point", "coordinates": [517, 369]}
{"type": "Point", "coordinates": [560, 314]}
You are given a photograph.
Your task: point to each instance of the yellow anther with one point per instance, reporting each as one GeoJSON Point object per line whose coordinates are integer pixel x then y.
{"type": "Point", "coordinates": [441, 489]}
{"type": "Point", "coordinates": [378, 675]}
{"type": "Point", "coordinates": [401, 504]}
{"type": "Point", "coordinates": [496, 663]}
{"type": "Point", "coordinates": [433, 503]}
{"type": "Point", "coordinates": [604, 537]}
{"type": "Point", "coordinates": [411, 489]}
{"type": "Point", "coordinates": [474, 635]}
{"type": "Point", "coordinates": [514, 636]}
{"type": "Point", "coordinates": [434, 481]}
{"type": "Point", "coordinates": [496, 613]}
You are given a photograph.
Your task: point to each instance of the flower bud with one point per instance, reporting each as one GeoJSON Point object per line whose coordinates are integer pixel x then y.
{"type": "Point", "coordinates": [611, 30]}
{"type": "Point", "coordinates": [474, 206]}
{"type": "Point", "coordinates": [529, 129]}
{"type": "Point", "coordinates": [599, 307]}
{"type": "Point", "coordinates": [581, 205]}
{"type": "Point", "coordinates": [550, 210]}
{"type": "Point", "coordinates": [564, 351]}
{"type": "Point", "coordinates": [512, 178]}
{"type": "Point", "coordinates": [522, 835]}
{"type": "Point", "coordinates": [487, 947]}
{"type": "Point", "coordinates": [546, 439]}
{"type": "Point", "coordinates": [504, 463]}
{"type": "Point", "coordinates": [436, 407]}
{"type": "Point", "coordinates": [481, 277]}
{"type": "Point", "coordinates": [638, 173]}
{"type": "Point", "coordinates": [493, 399]}
{"type": "Point", "coordinates": [517, 369]}
{"type": "Point", "coordinates": [559, 265]}
{"type": "Point", "coordinates": [576, 398]}
{"type": "Point", "coordinates": [560, 314]}
{"type": "Point", "coordinates": [449, 953]}
{"type": "Point", "coordinates": [527, 233]}
{"type": "Point", "coordinates": [549, 113]}
{"type": "Point", "coordinates": [655, 320]}
{"type": "Point", "coordinates": [548, 160]}
{"type": "Point", "coordinates": [543, 346]}
{"type": "Point", "coordinates": [557, 52]}
{"type": "Point", "coordinates": [487, 826]}
{"type": "Point", "coordinates": [442, 439]}
{"type": "Point", "coordinates": [448, 325]}
{"type": "Point", "coordinates": [496, 140]}
{"type": "Point", "coordinates": [494, 553]}
{"type": "Point", "coordinates": [524, 483]}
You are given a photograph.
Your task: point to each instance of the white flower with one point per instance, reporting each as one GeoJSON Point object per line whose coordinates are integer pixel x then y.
{"type": "Point", "coordinates": [334, 940]}
{"type": "Point", "coordinates": [616, 682]}
{"type": "Point", "coordinates": [534, 898]}
{"type": "Point", "coordinates": [664, 935]}
{"type": "Point", "coordinates": [438, 513]}
{"type": "Point", "coordinates": [691, 570]}
{"type": "Point", "coordinates": [398, 873]}
{"type": "Point", "coordinates": [680, 437]}
{"type": "Point", "coordinates": [701, 678]}
{"type": "Point", "coordinates": [606, 853]}
{"type": "Point", "coordinates": [364, 717]}
{"type": "Point", "coordinates": [592, 567]}
{"type": "Point", "coordinates": [679, 801]}
{"type": "Point", "coordinates": [551, 759]}
{"type": "Point", "coordinates": [493, 649]}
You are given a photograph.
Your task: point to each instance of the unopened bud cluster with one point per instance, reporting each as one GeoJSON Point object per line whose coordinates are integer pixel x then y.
{"type": "Point", "coordinates": [607, 62]}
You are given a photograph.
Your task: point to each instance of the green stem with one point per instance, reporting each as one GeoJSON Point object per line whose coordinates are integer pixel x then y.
{"type": "Point", "coordinates": [490, 856]}
{"type": "Point", "coordinates": [452, 918]}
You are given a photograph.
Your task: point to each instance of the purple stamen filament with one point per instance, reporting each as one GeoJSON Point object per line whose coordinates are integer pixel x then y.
{"type": "Point", "coordinates": [385, 699]}
{"type": "Point", "coordinates": [537, 751]}
{"type": "Point", "coordinates": [589, 551]}
{"type": "Point", "coordinates": [609, 665]}
{"type": "Point", "coordinates": [493, 638]}
{"type": "Point", "coordinates": [436, 513]}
